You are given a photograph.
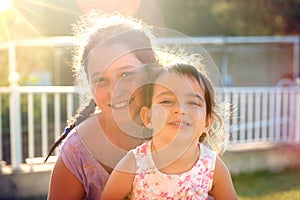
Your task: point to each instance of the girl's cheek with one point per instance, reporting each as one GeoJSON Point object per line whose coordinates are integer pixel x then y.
{"type": "Point", "coordinates": [99, 96]}
{"type": "Point", "coordinates": [158, 118]}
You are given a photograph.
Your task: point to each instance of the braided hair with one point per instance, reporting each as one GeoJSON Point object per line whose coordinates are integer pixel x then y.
{"type": "Point", "coordinates": [78, 118]}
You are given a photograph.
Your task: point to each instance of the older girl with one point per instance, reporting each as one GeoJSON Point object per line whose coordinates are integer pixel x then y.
{"type": "Point", "coordinates": [111, 47]}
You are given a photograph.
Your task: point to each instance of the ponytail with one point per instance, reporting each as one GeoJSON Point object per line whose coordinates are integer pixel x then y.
{"type": "Point", "coordinates": [77, 119]}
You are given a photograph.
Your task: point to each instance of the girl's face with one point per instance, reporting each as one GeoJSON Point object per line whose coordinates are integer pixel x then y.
{"type": "Point", "coordinates": [115, 82]}
{"type": "Point", "coordinates": [178, 109]}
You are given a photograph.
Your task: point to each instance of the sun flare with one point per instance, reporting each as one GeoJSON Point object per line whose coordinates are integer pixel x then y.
{"type": "Point", "coordinates": [5, 5]}
{"type": "Point", "coordinates": [22, 18]}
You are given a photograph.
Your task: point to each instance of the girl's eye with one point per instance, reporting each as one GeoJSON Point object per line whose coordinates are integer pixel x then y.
{"type": "Point", "coordinates": [194, 103]}
{"type": "Point", "coordinates": [166, 102]}
{"type": "Point", "coordinates": [100, 80]}
{"type": "Point", "coordinates": [126, 74]}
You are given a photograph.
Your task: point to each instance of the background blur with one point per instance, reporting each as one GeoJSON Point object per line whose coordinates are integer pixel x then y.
{"type": "Point", "coordinates": [255, 45]}
{"type": "Point", "coordinates": [38, 19]}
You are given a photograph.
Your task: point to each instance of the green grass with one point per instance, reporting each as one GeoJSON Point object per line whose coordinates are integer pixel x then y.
{"type": "Point", "coordinates": [266, 185]}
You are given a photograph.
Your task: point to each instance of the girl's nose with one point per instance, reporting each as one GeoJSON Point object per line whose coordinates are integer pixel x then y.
{"type": "Point", "coordinates": [112, 90]}
{"type": "Point", "coordinates": [179, 109]}
{"type": "Point", "coordinates": [117, 88]}
{"type": "Point", "coordinates": [115, 91]}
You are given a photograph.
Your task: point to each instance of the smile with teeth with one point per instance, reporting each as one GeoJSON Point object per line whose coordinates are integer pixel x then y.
{"type": "Point", "coordinates": [179, 124]}
{"type": "Point", "coordinates": [121, 104]}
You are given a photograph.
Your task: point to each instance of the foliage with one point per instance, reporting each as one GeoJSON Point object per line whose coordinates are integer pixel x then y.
{"type": "Point", "coordinates": [233, 17]}
{"type": "Point", "coordinates": [4, 68]}
{"type": "Point", "coordinates": [265, 185]}
{"type": "Point", "coordinates": [192, 17]}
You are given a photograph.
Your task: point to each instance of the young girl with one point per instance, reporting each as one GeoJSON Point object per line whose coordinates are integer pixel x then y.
{"type": "Point", "coordinates": [110, 47]}
{"type": "Point", "coordinates": [175, 164]}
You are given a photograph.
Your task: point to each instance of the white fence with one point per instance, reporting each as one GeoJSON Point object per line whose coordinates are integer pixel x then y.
{"type": "Point", "coordinates": [32, 118]}
{"type": "Point", "coordinates": [266, 114]}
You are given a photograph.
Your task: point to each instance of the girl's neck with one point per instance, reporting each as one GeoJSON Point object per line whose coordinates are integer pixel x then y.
{"type": "Point", "coordinates": [174, 158]}
{"type": "Point", "coordinates": [116, 135]}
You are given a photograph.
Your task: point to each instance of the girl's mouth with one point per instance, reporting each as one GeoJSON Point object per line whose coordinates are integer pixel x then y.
{"type": "Point", "coordinates": [179, 124]}
{"type": "Point", "coordinates": [121, 104]}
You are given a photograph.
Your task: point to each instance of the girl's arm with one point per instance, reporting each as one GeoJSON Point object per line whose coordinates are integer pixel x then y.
{"type": "Point", "coordinates": [119, 184]}
{"type": "Point", "coordinates": [64, 184]}
{"type": "Point", "coordinates": [222, 183]}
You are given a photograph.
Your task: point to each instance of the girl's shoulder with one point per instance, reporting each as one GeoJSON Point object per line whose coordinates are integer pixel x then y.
{"type": "Point", "coordinates": [74, 138]}
{"type": "Point", "coordinates": [81, 162]}
{"type": "Point", "coordinates": [207, 152]}
{"type": "Point", "coordinates": [73, 147]}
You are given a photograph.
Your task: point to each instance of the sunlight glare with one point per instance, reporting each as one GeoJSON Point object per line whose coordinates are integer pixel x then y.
{"type": "Point", "coordinates": [124, 7]}
{"type": "Point", "coordinates": [5, 5]}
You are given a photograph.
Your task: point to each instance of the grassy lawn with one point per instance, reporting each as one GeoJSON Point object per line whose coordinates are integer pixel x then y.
{"type": "Point", "coordinates": [268, 185]}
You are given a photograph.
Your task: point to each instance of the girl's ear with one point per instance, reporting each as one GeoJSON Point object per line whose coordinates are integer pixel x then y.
{"type": "Point", "coordinates": [146, 116]}
{"type": "Point", "coordinates": [208, 123]}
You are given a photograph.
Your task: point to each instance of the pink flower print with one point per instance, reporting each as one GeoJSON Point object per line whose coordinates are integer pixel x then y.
{"type": "Point", "coordinates": [142, 175]}
{"type": "Point", "coordinates": [187, 178]}
{"type": "Point", "coordinates": [181, 190]}
{"type": "Point", "coordinates": [143, 149]}
{"type": "Point", "coordinates": [145, 185]}
{"type": "Point", "coordinates": [164, 194]}
{"type": "Point", "coordinates": [205, 162]}
{"type": "Point", "coordinates": [139, 192]}
{"type": "Point", "coordinates": [210, 175]}
{"type": "Point", "coordinates": [193, 185]}
{"type": "Point", "coordinates": [180, 182]}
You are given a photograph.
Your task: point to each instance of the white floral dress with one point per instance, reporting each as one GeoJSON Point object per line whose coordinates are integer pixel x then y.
{"type": "Point", "coordinates": [150, 183]}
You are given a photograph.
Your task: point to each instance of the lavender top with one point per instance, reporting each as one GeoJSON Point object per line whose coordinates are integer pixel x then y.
{"type": "Point", "coordinates": [80, 161]}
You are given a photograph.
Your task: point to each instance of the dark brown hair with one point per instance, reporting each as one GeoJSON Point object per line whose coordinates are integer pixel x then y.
{"type": "Point", "coordinates": [217, 137]}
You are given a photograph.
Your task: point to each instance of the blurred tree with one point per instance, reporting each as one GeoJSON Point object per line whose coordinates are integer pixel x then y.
{"type": "Point", "coordinates": [191, 17]}
{"type": "Point", "coordinates": [3, 68]}
{"type": "Point", "coordinates": [233, 17]}
{"type": "Point", "coordinates": [38, 18]}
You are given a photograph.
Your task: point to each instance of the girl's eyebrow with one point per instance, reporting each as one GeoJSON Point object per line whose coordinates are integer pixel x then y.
{"type": "Point", "coordinates": [171, 93]}
{"type": "Point", "coordinates": [164, 93]}
{"type": "Point", "coordinates": [123, 68]}
{"type": "Point", "coordinates": [197, 96]}
{"type": "Point", "coordinates": [96, 74]}
{"type": "Point", "coordinates": [126, 67]}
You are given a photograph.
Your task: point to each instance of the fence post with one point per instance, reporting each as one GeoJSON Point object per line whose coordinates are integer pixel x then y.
{"type": "Point", "coordinates": [297, 118]}
{"type": "Point", "coordinates": [14, 111]}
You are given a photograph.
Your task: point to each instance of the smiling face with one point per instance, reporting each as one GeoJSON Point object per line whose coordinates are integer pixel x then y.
{"type": "Point", "coordinates": [178, 109]}
{"type": "Point", "coordinates": [107, 66]}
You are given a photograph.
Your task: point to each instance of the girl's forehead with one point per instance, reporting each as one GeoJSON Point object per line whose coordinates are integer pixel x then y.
{"type": "Point", "coordinates": [111, 58]}
{"type": "Point", "coordinates": [105, 55]}
{"type": "Point", "coordinates": [180, 84]}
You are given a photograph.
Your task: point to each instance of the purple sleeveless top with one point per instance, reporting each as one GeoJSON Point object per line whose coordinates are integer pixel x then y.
{"type": "Point", "coordinates": [80, 161]}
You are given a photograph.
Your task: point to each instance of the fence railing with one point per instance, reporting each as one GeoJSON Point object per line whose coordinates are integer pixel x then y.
{"type": "Point", "coordinates": [266, 114]}
{"type": "Point", "coordinates": [33, 117]}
